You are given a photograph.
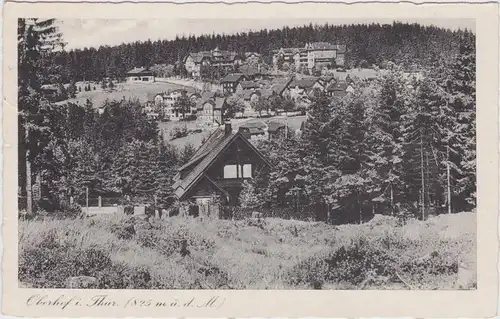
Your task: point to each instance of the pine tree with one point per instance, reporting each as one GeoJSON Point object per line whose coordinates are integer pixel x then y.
{"type": "Point", "coordinates": [422, 141]}
{"type": "Point", "coordinates": [186, 153]}
{"type": "Point", "coordinates": [62, 93]}
{"type": "Point", "coordinates": [83, 170]}
{"type": "Point", "coordinates": [167, 164]}
{"type": "Point", "coordinates": [458, 80]}
{"type": "Point", "coordinates": [183, 105]}
{"type": "Point", "coordinates": [72, 89]}
{"type": "Point", "coordinates": [36, 38]}
{"type": "Point", "coordinates": [385, 152]}
{"type": "Point", "coordinates": [248, 198]}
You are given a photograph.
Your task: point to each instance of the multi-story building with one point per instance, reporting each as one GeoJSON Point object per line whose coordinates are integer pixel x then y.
{"type": "Point", "coordinates": [194, 62]}
{"type": "Point", "coordinates": [252, 57]}
{"type": "Point", "coordinates": [312, 55]}
{"type": "Point", "coordinates": [230, 82]}
{"type": "Point", "coordinates": [168, 99]}
{"type": "Point", "coordinates": [211, 109]}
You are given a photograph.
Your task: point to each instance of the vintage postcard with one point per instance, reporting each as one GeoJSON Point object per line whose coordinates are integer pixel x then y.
{"type": "Point", "coordinates": [271, 160]}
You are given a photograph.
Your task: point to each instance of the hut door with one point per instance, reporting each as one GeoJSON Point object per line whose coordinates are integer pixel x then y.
{"type": "Point", "coordinates": [204, 205]}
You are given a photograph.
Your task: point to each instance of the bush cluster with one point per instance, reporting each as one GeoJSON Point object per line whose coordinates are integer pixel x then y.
{"type": "Point", "coordinates": [178, 132]}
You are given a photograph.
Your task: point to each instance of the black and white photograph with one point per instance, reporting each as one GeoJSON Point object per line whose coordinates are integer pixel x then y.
{"type": "Point", "coordinates": [267, 154]}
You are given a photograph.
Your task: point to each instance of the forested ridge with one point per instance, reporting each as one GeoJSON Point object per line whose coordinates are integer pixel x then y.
{"type": "Point", "coordinates": [368, 44]}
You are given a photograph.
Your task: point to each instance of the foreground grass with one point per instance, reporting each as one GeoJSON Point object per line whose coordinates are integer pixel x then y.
{"type": "Point", "coordinates": [181, 253]}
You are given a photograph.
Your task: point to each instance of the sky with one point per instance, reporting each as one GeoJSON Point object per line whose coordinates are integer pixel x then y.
{"type": "Point", "coordinates": [80, 33]}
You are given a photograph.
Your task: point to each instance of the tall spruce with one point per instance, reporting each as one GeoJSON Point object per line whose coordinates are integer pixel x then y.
{"type": "Point", "coordinates": [36, 38]}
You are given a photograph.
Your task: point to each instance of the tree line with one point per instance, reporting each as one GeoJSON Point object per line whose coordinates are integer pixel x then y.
{"type": "Point", "coordinates": [401, 43]}
{"type": "Point", "coordinates": [115, 154]}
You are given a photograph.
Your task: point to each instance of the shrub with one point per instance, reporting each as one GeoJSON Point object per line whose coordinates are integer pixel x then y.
{"type": "Point", "coordinates": [189, 253]}
{"type": "Point", "coordinates": [350, 263]}
{"type": "Point", "coordinates": [178, 132]}
{"type": "Point", "coordinates": [121, 276]}
{"type": "Point", "coordinates": [49, 265]}
{"type": "Point", "coordinates": [125, 230]}
{"type": "Point", "coordinates": [190, 117]}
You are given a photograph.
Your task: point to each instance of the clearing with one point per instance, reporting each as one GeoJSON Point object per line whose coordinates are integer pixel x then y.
{"type": "Point", "coordinates": [141, 91]}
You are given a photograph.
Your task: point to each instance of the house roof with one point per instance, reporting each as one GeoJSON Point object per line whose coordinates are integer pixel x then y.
{"type": "Point", "coordinates": [235, 77]}
{"type": "Point", "coordinates": [249, 85]}
{"type": "Point", "coordinates": [280, 85]}
{"type": "Point", "coordinates": [151, 96]}
{"type": "Point", "coordinates": [264, 83]}
{"type": "Point", "coordinates": [199, 56]}
{"type": "Point", "coordinates": [201, 103]}
{"type": "Point", "coordinates": [327, 78]}
{"type": "Point", "coordinates": [322, 46]}
{"type": "Point", "coordinates": [273, 126]}
{"type": "Point", "coordinates": [254, 124]}
{"type": "Point", "coordinates": [250, 71]}
{"type": "Point", "coordinates": [219, 56]}
{"type": "Point", "coordinates": [304, 83]}
{"type": "Point", "coordinates": [289, 50]}
{"type": "Point", "coordinates": [219, 103]}
{"type": "Point", "coordinates": [266, 92]}
{"type": "Point", "coordinates": [249, 54]}
{"type": "Point", "coordinates": [247, 94]}
{"type": "Point", "coordinates": [338, 86]}
{"type": "Point", "coordinates": [194, 93]}
{"type": "Point", "coordinates": [205, 96]}
{"type": "Point", "coordinates": [139, 71]}
{"type": "Point", "coordinates": [205, 156]}
{"type": "Point", "coordinates": [252, 130]}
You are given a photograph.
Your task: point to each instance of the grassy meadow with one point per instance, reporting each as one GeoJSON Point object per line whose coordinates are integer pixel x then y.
{"type": "Point", "coordinates": [186, 253]}
{"type": "Point", "coordinates": [140, 91]}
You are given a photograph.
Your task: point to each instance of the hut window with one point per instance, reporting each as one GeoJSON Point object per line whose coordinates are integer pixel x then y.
{"type": "Point", "coordinates": [247, 170]}
{"type": "Point", "coordinates": [230, 171]}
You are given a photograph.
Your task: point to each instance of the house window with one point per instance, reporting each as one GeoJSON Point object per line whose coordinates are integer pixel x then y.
{"type": "Point", "coordinates": [238, 171]}
{"type": "Point", "coordinates": [230, 171]}
{"type": "Point", "coordinates": [247, 171]}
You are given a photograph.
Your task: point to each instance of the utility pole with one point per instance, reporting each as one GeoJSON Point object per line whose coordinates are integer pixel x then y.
{"type": "Point", "coordinates": [422, 174]}
{"type": "Point", "coordinates": [286, 125]}
{"type": "Point", "coordinates": [448, 177]}
{"type": "Point", "coordinates": [87, 198]}
{"type": "Point", "coordinates": [29, 202]}
{"type": "Point", "coordinates": [392, 201]}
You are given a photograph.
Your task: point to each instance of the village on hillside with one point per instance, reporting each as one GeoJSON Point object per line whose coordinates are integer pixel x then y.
{"type": "Point", "coordinates": [329, 155]}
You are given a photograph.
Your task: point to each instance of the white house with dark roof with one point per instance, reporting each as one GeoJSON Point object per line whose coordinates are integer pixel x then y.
{"type": "Point", "coordinates": [141, 75]}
